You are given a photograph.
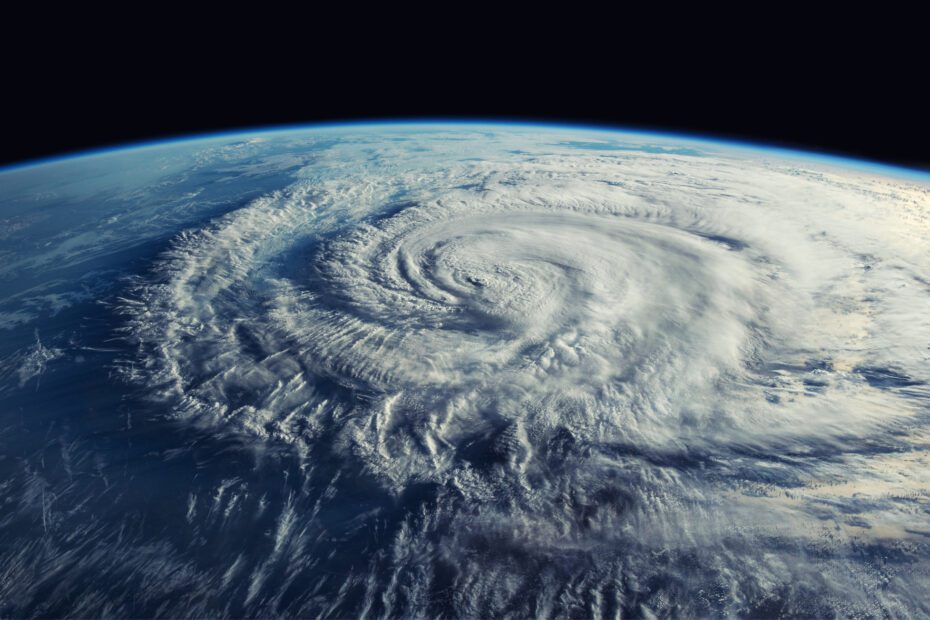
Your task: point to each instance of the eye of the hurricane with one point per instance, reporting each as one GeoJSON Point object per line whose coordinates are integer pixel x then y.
{"type": "Point", "coordinates": [497, 281]}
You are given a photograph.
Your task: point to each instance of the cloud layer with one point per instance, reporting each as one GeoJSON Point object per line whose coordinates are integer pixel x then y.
{"type": "Point", "coordinates": [647, 381]}
{"type": "Point", "coordinates": [514, 372]}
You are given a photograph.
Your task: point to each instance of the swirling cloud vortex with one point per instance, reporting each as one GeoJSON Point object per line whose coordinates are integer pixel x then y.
{"type": "Point", "coordinates": [631, 380]}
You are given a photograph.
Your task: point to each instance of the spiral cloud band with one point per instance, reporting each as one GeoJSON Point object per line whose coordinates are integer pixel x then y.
{"type": "Point", "coordinates": [508, 373]}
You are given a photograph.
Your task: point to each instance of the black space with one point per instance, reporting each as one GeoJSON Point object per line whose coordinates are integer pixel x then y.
{"type": "Point", "coordinates": [68, 90]}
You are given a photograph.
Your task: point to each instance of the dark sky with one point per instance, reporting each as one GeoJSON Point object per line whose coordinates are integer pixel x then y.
{"type": "Point", "coordinates": [68, 89]}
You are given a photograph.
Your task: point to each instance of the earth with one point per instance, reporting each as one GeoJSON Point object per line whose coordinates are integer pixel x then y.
{"type": "Point", "coordinates": [463, 370]}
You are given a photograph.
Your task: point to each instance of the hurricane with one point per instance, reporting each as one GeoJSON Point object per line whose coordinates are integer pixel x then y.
{"type": "Point", "coordinates": [464, 371]}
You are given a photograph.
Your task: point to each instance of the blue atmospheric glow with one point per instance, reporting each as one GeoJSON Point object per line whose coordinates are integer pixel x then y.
{"type": "Point", "coordinates": [875, 167]}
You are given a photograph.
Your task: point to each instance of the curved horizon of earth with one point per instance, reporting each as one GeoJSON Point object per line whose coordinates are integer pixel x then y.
{"type": "Point", "coordinates": [463, 370]}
